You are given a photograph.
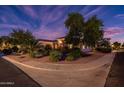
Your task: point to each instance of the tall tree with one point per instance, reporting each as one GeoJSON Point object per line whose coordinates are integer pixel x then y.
{"type": "Point", "coordinates": [93, 31]}
{"type": "Point", "coordinates": [74, 23]}
{"type": "Point", "coordinates": [23, 38]}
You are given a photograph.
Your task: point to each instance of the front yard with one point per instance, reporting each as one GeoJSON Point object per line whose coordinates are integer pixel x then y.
{"type": "Point", "coordinates": [87, 71]}
{"type": "Point", "coordinates": [27, 59]}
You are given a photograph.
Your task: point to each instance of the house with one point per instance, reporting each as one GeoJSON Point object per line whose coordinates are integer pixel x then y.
{"type": "Point", "coordinates": [58, 43]}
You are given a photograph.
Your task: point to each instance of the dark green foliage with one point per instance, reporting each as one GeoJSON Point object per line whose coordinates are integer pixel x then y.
{"type": "Point", "coordinates": [70, 57]}
{"type": "Point", "coordinates": [74, 24]}
{"type": "Point", "coordinates": [36, 54]}
{"type": "Point", "coordinates": [7, 51]}
{"type": "Point", "coordinates": [55, 55]}
{"type": "Point", "coordinates": [74, 54]}
{"type": "Point", "coordinates": [48, 48]}
{"type": "Point", "coordinates": [104, 50]}
{"type": "Point", "coordinates": [93, 31]}
{"type": "Point", "coordinates": [21, 37]}
{"type": "Point", "coordinates": [15, 49]}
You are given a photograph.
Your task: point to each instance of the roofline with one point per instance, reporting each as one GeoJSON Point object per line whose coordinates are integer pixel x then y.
{"type": "Point", "coordinates": [47, 40]}
{"type": "Point", "coordinates": [60, 37]}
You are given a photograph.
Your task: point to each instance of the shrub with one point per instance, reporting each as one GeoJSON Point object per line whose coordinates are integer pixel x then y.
{"type": "Point", "coordinates": [7, 51]}
{"type": "Point", "coordinates": [69, 57]}
{"type": "Point", "coordinates": [55, 55]}
{"type": "Point", "coordinates": [35, 54]}
{"type": "Point", "coordinates": [74, 54]}
{"type": "Point", "coordinates": [15, 49]}
{"type": "Point", "coordinates": [104, 49]}
{"type": "Point", "coordinates": [43, 52]}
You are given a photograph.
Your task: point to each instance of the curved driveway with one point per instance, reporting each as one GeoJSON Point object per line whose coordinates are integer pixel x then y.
{"type": "Point", "coordinates": [93, 74]}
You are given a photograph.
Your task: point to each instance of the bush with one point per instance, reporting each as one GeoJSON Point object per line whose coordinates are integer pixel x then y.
{"type": "Point", "coordinates": [55, 55]}
{"type": "Point", "coordinates": [69, 57]}
{"type": "Point", "coordinates": [35, 54]}
{"type": "Point", "coordinates": [7, 51]}
{"type": "Point", "coordinates": [104, 50]}
{"type": "Point", "coordinates": [43, 52]}
{"type": "Point", "coordinates": [15, 49]}
{"type": "Point", "coordinates": [74, 54]}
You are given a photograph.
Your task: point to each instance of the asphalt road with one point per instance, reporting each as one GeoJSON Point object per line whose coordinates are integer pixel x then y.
{"type": "Point", "coordinates": [11, 76]}
{"type": "Point", "coordinates": [116, 74]}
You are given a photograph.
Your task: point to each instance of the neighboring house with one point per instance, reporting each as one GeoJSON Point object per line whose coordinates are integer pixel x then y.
{"type": "Point", "coordinates": [58, 43]}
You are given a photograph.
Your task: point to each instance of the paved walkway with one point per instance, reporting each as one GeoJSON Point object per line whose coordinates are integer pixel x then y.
{"type": "Point", "coordinates": [116, 75]}
{"type": "Point", "coordinates": [10, 75]}
{"type": "Point", "coordinates": [92, 74]}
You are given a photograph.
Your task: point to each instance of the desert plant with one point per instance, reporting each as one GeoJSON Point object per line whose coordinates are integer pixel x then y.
{"type": "Point", "coordinates": [15, 49]}
{"type": "Point", "coordinates": [70, 57]}
{"type": "Point", "coordinates": [47, 48]}
{"type": "Point", "coordinates": [74, 54]}
{"type": "Point", "coordinates": [35, 54]}
{"type": "Point", "coordinates": [7, 51]}
{"type": "Point", "coordinates": [55, 55]}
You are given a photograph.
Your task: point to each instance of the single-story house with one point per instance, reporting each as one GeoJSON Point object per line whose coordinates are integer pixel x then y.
{"type": "Point", "coordinates": [58, 43]}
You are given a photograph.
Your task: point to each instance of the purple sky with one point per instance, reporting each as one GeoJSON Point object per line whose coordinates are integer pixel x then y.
{"type": "Point", "coordinates": [47, 22]}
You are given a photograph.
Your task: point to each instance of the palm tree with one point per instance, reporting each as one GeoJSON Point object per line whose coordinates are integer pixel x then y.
{"type": "Point", "coordinates": [74, 23]}
{"type": "Point", "coordinates": [93, 31]}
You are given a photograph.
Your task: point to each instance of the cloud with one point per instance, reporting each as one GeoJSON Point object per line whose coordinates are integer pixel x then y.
{"type": "Point", "coordinates": [120, 15]}
{"type": "Point", "coordinates": [28, 10]}
{"type": "Point", "coordinates": [53, 15]}
{"type": "Point", "coordinates": [94, 11]}
{"type": "Point", "coordinates": [121, 40]}
{"type": "Point", "coordinates": [4, 20]}
{"type": "Point", "coordinates": [113, 31]}
{"type": "Point", "coordinates": [85, 9]}
{"type": "Point", "coordinates": [11, 26]}
{"type": "Point", "coordinates": [49, 33]}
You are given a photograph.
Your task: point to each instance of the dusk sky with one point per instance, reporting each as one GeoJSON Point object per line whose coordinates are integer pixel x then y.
{"type": "Point", "coordinates": [47, 22]}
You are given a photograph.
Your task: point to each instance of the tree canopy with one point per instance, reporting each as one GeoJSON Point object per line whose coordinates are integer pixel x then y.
{"type": "Point", "coordinates": [21, 37]}
{"type": "Point", "coordinates": [79, 31]}
{"type": "Point", "coordinates": [74, 24]}
{"type": "Point", "coordinates": [93, 31]}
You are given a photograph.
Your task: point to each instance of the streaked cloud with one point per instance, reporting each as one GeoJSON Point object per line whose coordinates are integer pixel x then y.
{"type": "Point", "coordinates": [120, 15]}
{"type": "Point", "coordinates": [94, 11]}
{"type": "Point", "coordinates": [48, 21]}
{"type": "Point", "coordinates": [113, 31]}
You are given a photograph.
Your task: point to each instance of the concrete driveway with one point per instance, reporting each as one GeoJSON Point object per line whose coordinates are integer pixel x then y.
{"type": "Point", "coordinates": [93, 74]}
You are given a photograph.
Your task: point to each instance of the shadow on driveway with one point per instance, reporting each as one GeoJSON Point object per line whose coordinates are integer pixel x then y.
{"type": "Point", "coordinates": [11, 76]}
{"type": "Point", "coordinates": [116, 74]}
